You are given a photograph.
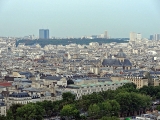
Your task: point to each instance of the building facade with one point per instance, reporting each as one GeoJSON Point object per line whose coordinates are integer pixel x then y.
{"type": "Point", "coordinates": [2, 109]}
{"type": "Point", "coordinates": [43, 33]}
{"type": "Point", "coordinates": [84, 89]}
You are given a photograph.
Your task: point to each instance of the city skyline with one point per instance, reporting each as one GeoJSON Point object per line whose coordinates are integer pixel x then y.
{"type": "Point", "coordinates": [79, 18]}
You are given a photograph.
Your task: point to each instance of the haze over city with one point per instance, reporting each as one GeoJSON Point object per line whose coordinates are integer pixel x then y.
{"type": "Point", "coordinates": [79, 17]}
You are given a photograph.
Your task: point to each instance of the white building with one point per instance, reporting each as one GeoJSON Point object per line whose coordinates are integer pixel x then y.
{"type": "Point", "coordinates": [2, 109]}
{"type": "Point", "coordinates": [106, 34]}
{"type": "Point", "coordinates": [84, 89]}
{"type": "Point", "coordinates": [2, 106]}
{"type": "Point", "coordinates": [139, 36]}
{"type": "Point", "coordinates": [19, 98]}
{"type": "Point", "coordinates": [133, 36]}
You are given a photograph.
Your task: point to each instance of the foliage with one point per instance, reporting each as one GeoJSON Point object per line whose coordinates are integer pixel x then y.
{"type": "Point", "coordinates": [68, 97]}
{"type": "Point", "coordinates": [3, 117]}
{"type": "Point", "coordinates": [69, 111]}
{"type": "Point", "coordinates": [30, 111]}
{"type": "Point", "coordinates": [109, 118]}
{"type": "Point", "coordinates": [158, 107]}
{"type": "Point", "coordinates": [93, 110]}
{"type": "Point", "coordinates": [12, 112]}
{"type": "Point", "coordinates": [131, 102]}
{"type": "Point", "coordinates": [124, 101]}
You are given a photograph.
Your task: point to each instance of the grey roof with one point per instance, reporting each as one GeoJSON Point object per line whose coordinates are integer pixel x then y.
{"type": "Point", "coordinates": [127, 63]}
{"type": "Point", "coordinates": [121, 54]}
{"type": "Point", "coordinates": [1, 96]}
{"type": "Point", "coordinates": [111, 62]}
{"type": "Point", "coordinates": [42, 61]}
{"type": "Point", "coordinates": [2, 104]}
{"type": "Point", "coordinates": [116, 62]}
{"type": "Point", "coordinates": [52, 78]}
{"type": "Point", "coordinates": [31, 89]}
{"type": "Point", "coordinates": [27, 74]}
{"type": "Point", "coordinates": [19, 95]}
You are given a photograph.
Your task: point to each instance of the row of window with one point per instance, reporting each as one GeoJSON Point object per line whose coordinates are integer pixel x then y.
{"type": "Point", "coordinates": [90, 92]}
{"type": "Point", "coordinates": [101, 86]}
{"type": "Point", "coordinates": [96, 88]}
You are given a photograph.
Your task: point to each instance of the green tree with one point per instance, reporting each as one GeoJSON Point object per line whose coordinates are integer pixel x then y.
{"type": "Point", "coordinates": [106, 108]}
{"type": "Point", "coordinates": [9, 115]}
{"type": "Point", "coordinates": [47, 106]}
{"type": "Point", "coordinates": [158, 107]}
{"type": "Point", "coordinates": [124, 99]}
{"type": "Point", "coordinates": [93, 111]}
{"type": "Point", "coordinates": [109, 118]}
{"type": "Point", "coordinates": [68, 97]}
{"type": "Point", "coordinates": [69, 112]}
{"type": "Point", "coordinates": [109, 94]}
{"type": "Point", "coordinates": [30, 111]}
{"type": "Point", "coordinates": [12, 112]}
{"type": "Point", "coordinates": [158, 95]}
{"type": "Point", "coordinates": [115, 107]}
{"type": "Point", "coordinates": [2, 117]}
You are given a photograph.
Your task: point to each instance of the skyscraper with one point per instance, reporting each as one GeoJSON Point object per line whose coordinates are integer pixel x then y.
{"type": "Point", "coordinates": [133, 36]}
{"type": "Point", "coordinates": [157, 37]}
{"type": "Point", "coordinates": [151, 37]}
{"type": "Point", "coordinates": [106, 34]}
{"type": "Point", "coordinates": [139, 36]}
{"type": "Point", "coordinates": [43, 33]}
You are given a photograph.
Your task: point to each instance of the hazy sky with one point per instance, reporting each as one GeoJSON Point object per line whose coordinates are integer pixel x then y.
{"type": "Point", "coordinates": [79, 17]}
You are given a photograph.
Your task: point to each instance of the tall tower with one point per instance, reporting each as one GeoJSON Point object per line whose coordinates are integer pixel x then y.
{"type": "Point", "coordinates": [157, 37]}
{"type": "Point", "coordinates": [106, 34]}
{"type": "Point", "coordinates": [139, 36]}
{"type": "Point", "coordinates": [133, 36]}
{"type": "Point", "coordinates": [43, 33]}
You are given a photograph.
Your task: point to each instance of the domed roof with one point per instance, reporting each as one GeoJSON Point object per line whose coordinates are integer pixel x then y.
{"type": "Point", "coordinates": [121, 54]}
{"type": "Point", "coordinates": [111, 62]}
{"type": "Point", "coordinates": [127, 63]}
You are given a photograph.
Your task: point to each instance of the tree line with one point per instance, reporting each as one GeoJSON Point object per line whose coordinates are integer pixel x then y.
{"type": "Point", "coordinates": [106, 105]}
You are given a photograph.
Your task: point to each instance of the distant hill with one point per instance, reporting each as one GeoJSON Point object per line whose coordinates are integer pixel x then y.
{"type": "Point", "coordinates": [44, 42]}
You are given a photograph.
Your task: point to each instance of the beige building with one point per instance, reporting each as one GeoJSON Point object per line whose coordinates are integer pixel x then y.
{"type": "Point", "coordinates": [16, 74]}
{"type": "Point", "coordinates": [140, 81]}
{"type": "Point", "coordinates": [83, 88]}
{"type": "Point", "coordinates": [19, 98]}
{"type": "Point", "coordinates": [2, 109]}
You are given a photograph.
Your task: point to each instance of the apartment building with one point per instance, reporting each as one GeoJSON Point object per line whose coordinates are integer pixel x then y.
{"type": "Point", "coordinates": [2, 109]}
{"type": "Point", "coordinates": [84, 89]}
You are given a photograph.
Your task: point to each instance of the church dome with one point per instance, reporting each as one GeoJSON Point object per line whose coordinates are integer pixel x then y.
{"type": "Point", "coordinates": [121, 54]}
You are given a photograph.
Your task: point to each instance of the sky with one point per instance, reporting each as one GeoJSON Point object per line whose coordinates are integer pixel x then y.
{"type": "Point", "coordinates": [66, 18]}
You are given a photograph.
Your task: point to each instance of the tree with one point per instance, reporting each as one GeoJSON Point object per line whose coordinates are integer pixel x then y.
{"type": "Point", "coordinates": [158, 95]}
{"type": "Point", "coordinates": [106, 108]}
{"type": "Point", "coordinates": [94, 110]}
{"type": "Point", "coordinates": [115, 107]}
{"type": "Point", "coordinates": [129, 87]}
{"type": "Point", "coordinates": [158, 107]}
{"type": "Point", "coordinates": [69, 112]}
{"type": "Point", "coordinates": [2, 117]}
{"type": "Point", "coordinates": [109, 94]}
{"type": "Point", "coordinates": [30, 111]}
{"type": "Point", "coordinates": [12, 112]}
{"type": "Point", "coordinates": [47, 106]}
{"type": "Point", "coordinates": [68, 97]}
{"type": "Point", "coordinates": [124, 99]}
{"type": "Point", "coordinates": [10, 115]}
{"type": "Point", "coordinates": [109, 118]}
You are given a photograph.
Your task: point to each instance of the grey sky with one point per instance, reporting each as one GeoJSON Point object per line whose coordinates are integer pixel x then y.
{"type": "Point", "coordinates": [79, 17]}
